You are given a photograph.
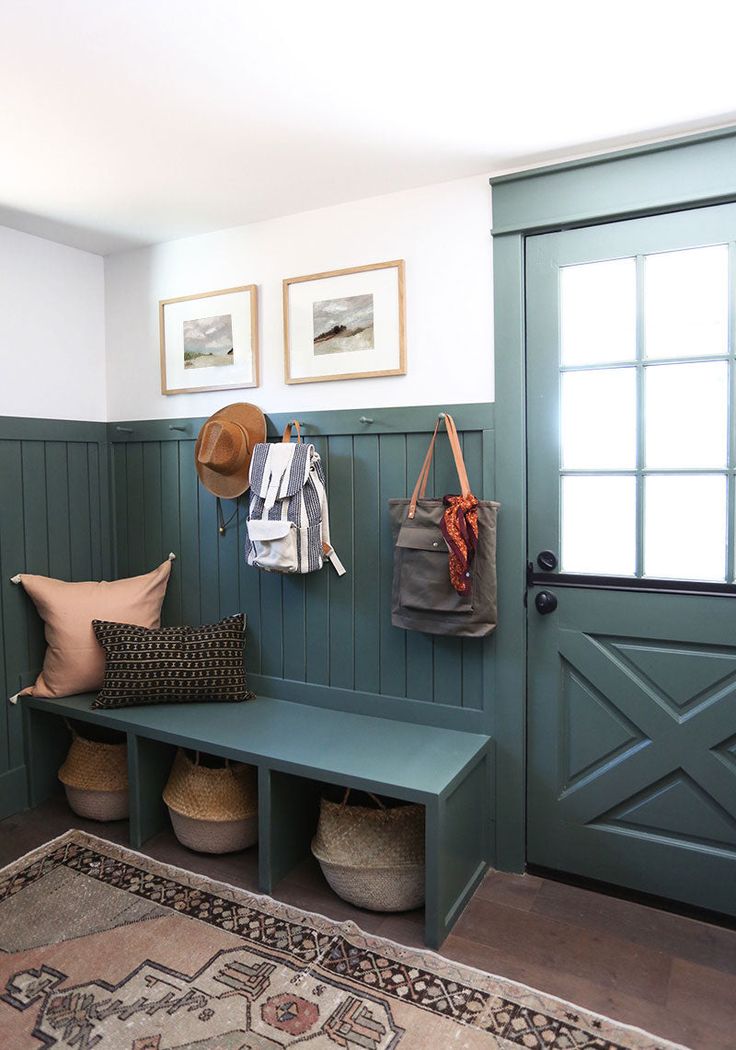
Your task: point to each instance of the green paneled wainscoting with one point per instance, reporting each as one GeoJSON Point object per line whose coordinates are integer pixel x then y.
{"type": "Point", "coordinates": [321, 639]}
{"type": "Point", "coordinates": [55, 521]}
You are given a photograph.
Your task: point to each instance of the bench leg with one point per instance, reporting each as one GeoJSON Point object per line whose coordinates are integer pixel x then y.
{"type": "Point", "coordinates": [458, 848]}
{"type": "Point", "coordinates": [288, 808]}
{"type": "Point", "coordinates": [149, 765]}
{"type": "Point", "coordinates": [47, 741]}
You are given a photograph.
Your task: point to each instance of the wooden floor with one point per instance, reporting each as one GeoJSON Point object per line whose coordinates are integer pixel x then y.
{"type": "Point", "coordinates": [671, 975]}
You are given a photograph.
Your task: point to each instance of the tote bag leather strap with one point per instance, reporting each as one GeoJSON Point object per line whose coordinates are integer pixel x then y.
{"type": "Point", "coordinates": [421, 486]}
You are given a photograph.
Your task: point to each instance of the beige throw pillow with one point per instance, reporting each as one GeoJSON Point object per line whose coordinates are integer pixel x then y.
{"type": "Point", "coordinates": [74, 661]}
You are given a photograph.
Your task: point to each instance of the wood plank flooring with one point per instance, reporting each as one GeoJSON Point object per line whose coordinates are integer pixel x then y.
{"type": "Point", "coordinates": [671, 975]}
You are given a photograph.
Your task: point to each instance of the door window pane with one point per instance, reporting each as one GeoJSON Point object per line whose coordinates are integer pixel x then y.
{"type": "Point", "coordinates": [686, 302]}
{"type": "Point", "coordinates": [686, 414]}
{"type": "Point", "coordinates": [598, 419]}
{"type": "Point", "coordinates": [599, 525]}
{"type": "Point", "coordinates": [685, 527]}
{"type": "Point", "coordinates": [598, 312]}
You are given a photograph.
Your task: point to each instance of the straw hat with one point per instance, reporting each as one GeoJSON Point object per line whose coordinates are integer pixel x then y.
{"type": "Point", "coordinates": [224, 448]}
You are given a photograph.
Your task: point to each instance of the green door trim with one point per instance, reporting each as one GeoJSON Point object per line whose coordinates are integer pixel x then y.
{"type": "Point", "coordinates": [664, 176]}
{"type": "Point", "coordinates": [667, 176]}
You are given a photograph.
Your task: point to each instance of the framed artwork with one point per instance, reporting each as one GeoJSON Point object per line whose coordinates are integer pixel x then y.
{"type": "Point", "coordinates": [209, 341]}
{"type": "Point", "coordinates": [345, 324]}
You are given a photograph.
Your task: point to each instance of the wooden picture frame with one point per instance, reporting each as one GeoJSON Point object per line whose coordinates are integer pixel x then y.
{"type": "Point", "coordinates": [233, 317]}
{"type": "Point", "coordinates": [368, 337]}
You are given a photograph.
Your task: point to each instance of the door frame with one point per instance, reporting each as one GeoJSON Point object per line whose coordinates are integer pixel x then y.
{"type": "Point", "coordinates": [672, 175]}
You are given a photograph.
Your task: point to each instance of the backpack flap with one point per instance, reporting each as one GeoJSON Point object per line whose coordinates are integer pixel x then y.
{"type": "Point", "coordinates": [274, 545]}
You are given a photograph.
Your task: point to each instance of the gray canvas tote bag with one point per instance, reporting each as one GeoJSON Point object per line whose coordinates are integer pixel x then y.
{"type": "Point", "coordinates": [436, 589]}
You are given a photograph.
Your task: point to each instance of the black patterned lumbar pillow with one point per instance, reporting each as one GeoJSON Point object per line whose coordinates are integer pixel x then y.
{"type": "Point", "coordinates": [172, 665]}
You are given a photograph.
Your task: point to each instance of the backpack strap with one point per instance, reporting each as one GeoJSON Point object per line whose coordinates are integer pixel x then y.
{"type": "Point", "coordinates": [287, 432]}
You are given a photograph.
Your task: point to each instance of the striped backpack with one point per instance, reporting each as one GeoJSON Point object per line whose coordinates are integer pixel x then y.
{"type": "Point", "coordinates": [288, 518]}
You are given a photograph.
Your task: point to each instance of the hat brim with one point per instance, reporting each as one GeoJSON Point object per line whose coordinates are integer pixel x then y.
{"type": "Point", "coordinates": [229, 486]}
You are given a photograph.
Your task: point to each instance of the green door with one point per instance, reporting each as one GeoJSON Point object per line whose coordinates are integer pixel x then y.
{"type": "Point", "coordinates": [631, 374]}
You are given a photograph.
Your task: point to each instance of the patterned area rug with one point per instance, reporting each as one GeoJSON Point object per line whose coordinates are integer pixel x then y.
{"type": "Point", "coordinates": [101, 947]}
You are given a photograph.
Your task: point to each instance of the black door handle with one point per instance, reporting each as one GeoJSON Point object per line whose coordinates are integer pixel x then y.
{"type": "Point", "coordinates": [545, 602]}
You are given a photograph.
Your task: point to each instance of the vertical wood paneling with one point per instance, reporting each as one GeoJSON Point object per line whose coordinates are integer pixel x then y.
{"type": "Point", "coordinates": [153, 552]}
{"type": "Point", "coordinates": [171, 529]}
{"type": "Point", "coordinates": [249, 589]}
{"type": "Point", "coordinates": [318, 606]}
{"type": "Point", "coordinates": [121, 559]}
{"type": "Point", "coordinates": [57, 498]}
{"type": "Point", "coordinates": [294, 621]}
{"type": "Point", "coordinates": [321, 629]}
{"type": "Point", "coordinates": [15, 624]}
{"type": "Point", "coordinates": [366, 579]}
{"type": "Point", "coordinates": [392, 483]}
{"type": "Point", "coordinates": [227, 557]}
{"type": "Point", "coordinates": [188, 555]}
{"type": "Point", "coordinates": [272, 626]}
{"type": "Point", "coordinates": [35, 526]}
{"type": "Point", "coordinates": [97, 496]}
{"type": "Point", "coordinates": [209, 579]}
{"type": "Point", "coordinates": [136, 509]}
{"type": "Point", "coordinates": [342, 625]}
{"type": "Point", "coordinates": [80, 512]}
{"type": "Point", "coordinates": [51, 523]}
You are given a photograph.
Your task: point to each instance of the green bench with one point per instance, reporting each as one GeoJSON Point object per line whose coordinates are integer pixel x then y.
{"type": "Point", "coordinates": [295, 747]}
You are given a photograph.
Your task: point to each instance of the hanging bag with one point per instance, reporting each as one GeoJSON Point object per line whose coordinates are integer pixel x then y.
{"type": "Point", "coordinates": [444, 578]}
{"type": "Point", "coordinates": [288, 517]}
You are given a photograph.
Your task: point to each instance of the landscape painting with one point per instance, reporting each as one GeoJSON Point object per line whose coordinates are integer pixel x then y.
{"type": "Point", "coordinates": [208, 341]}
{"type": "Point", "coordinates": [343, 325]}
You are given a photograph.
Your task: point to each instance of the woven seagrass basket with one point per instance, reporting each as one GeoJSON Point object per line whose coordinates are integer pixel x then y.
{"type": "Point", "coordinates": [212, 809]}
{"type": "Point", "coordinates": [373, 858]}
{"type": "Point", "coordinates": [95, 778]}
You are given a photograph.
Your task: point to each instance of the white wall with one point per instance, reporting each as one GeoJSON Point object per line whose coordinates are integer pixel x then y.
{"type": "Point", "coordinates": [443, 233]}
{"type": "Point", "coordinates": [52, 338]}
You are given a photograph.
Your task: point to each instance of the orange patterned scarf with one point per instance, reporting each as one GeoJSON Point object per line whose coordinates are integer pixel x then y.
{"type": "Point", "coordinates": [460, 528]}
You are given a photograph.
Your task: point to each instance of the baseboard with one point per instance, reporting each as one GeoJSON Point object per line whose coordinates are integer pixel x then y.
{"type": "Point", "coordinates": [13, 792]}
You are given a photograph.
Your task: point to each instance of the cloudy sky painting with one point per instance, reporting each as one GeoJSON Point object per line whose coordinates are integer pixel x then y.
{"type": "Point", "coordinates": [342, 325]}
{"type": "Point", "coordinates": [208, 341]}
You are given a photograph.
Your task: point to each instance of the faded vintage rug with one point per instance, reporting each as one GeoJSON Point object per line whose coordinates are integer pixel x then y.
{"type": "Point", "coordinates": [102, 947]}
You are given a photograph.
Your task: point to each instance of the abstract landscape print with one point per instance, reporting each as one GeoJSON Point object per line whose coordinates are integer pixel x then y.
{"type": "Point", "coordinates": [101, 947]}
{"type": "Point", "coordinates": [208, 341]}
{"type": "Point", "coordinates": [342, 325]}
{"type": "Point", "coordinates": [345, 324]}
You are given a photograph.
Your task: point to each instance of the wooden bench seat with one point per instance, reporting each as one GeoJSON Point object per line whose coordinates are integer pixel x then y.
{"type": "Point", "coordinates": [295, 747]}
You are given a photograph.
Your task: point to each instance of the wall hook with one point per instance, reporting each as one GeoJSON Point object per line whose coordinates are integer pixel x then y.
{"type": "Point", "coordinates": [173, 426]}
{"type": "Point", "coordinates": [125, 430]}
{"type": "Point", "coordinates": [365, 419]}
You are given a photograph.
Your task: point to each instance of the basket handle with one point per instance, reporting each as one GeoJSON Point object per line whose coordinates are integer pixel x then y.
{"type": "Point", "coordinates": [375, 798]}
{"type": "Point", "coordinates": [196, 761]}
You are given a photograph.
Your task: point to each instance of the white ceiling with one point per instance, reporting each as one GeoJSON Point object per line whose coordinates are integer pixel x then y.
{"type": "Point", "coordinates": [127, 122]}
